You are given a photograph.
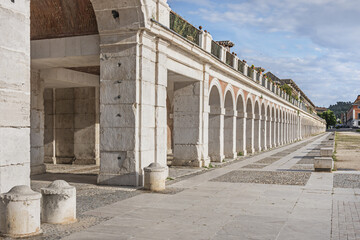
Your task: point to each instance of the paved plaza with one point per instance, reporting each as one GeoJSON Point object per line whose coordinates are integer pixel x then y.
{"type": "Point", "coordinates": [272, 195]}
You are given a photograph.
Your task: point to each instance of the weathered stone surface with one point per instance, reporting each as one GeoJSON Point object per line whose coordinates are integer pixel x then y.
{"type": "Point", "coordinates": [323, 164]}
{"type": "Point", "coordinates": [154, 177]}
{"type": "Point", "coordinates": [59, 203]}
{"type": "Point", "coordinates": [20, 212]}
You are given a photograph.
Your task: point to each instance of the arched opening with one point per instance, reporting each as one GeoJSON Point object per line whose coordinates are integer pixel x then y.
{"type": "Point", "coordinates": [268, 127]}
{"type": "Point", "coordinates": [249, 127]}
{"type": "Point", "coordinates": [277, 132]}
{"type": "Point", "coordinates": [281, 135]}
{"type": "Point", "coordinates": [240, 127]}
{"type": "Point", "coordinates": [215, 136]}
{"type": "Point", "coordinates": [229, 122]}
{"type": "Point", "coordinates": [273, 127]}
{"type": "Point", "coordinates": [263, 127]}
{"type": "Point", "coordinates": [284, 127]}
{"type": "Point", "coordinates": [65, 97]}
{"type": "Point", "coordinates": [257, 122]}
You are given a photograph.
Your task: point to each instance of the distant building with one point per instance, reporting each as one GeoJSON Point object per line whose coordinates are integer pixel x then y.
{"type": "Point", "coordinates": [353, 114]}
{"type": "Point", "coordinates": [321, 109]}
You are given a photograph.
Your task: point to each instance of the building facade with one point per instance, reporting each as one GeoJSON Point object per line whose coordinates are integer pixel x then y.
{"type": "Point", "coordinates": [122, 85]}
{"type": "Point", "coordinates": [353, 114]}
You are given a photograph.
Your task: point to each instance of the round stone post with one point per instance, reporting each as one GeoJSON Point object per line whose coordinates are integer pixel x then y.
{"type": "Point", "coordinates": [59, 203]}
{"type": "Point", "coordinates": [154, 176]}
{"type": "Point", "coordinates": [20, 212]}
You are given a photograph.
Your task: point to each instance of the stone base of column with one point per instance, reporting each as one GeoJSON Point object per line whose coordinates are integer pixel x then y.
{"type": "Point", "coordinates": [250, 151]}
{"type": "Point", "coordinates": [231, 156]}
{"type": "Point", "coordinates": [245, 152]}
{"type": "Point", "coordinates": [186, 162]}
{"type": "Point", "coordinates": [38, 169]}
{"type": "Point", "coordinates": [129, 179]}
{"type": "Point", "coordinates": [206, 162]}
{"type": "Point", "coordinates": [217, 158]}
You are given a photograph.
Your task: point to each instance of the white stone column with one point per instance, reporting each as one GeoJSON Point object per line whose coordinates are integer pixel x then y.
{"type": "Point", "coordinates": [205, 114]}
{"type": "Point", "coordinates": [14, 94]}
{"type": "Point", "coordinates": [132, 107]}
{"type": "Point", "coordinates": [37, 124]}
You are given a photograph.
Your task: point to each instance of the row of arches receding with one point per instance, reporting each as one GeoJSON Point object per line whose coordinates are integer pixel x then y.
{"type": "Point", "coordinates": [240, 125]}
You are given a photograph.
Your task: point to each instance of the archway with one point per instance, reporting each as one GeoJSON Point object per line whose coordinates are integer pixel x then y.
{"type": "Point", "coordinates": [263, 127]}
{"type": "Point", "coordinates": [273, 127]}
{"type": "Point", "coordinates": [215, 135]}
{"type": "Point", "coordinates": [257, 124]}
{"type": "Point", "coordinates": [249, 126]}
{"type": "Point", "coordinates": [65, 97]}
{"type": "Point", "coordinates": [229, 122]}
{"type": "Point", "coordinates": [268, 127]}
{"type": "Point", "coordinates": [240, 126]}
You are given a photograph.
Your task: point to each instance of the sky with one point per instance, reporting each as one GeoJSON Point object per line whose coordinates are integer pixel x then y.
{"type": "Point", "coordinates": [314, 42]}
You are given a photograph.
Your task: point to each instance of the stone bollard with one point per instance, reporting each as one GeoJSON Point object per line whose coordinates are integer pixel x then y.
{"type": "Point", "coordinates": [59, 203]}
{"type": "Point", "coordinates": [155, 176]}
{"type": "Point", "coordinates": [323, 164]}
{"type": "Point", "coordinates": [20, 212]}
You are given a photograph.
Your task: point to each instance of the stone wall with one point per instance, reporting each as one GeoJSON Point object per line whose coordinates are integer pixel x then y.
{"type": "Point", "coordinates": [74, 130]}
{"type": "Point", "coordinates": [14, 94]}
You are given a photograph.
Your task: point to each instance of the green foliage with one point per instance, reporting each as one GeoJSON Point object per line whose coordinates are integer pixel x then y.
{"type": "Point", "coordinates": [287, 89]}
{"type": "Point", "coordinates": [329, 117]}
{"type": "Point", "coordinates": [340, 107]}
{"type": "Point", "coordinates": [240, 154]}
{"type": "Point", "coordinates": [358, 130]}
{"type": "Point", "coordinates": [183, 28]}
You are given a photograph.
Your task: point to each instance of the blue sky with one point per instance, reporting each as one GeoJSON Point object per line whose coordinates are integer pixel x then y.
{"type": "Point", "coordinates": [314, 42]}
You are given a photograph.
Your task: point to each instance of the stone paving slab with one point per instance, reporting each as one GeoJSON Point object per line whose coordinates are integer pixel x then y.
{"type": "Point", "coordinates": [279, 178]}
{"type": "Point", "coordinates": [247, 204]}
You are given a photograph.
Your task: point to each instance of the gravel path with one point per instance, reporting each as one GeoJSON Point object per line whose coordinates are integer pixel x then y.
{"type": "Point", "coordinates": [346, 181]}
{"type": "Point", "coordinates": [89, 197]}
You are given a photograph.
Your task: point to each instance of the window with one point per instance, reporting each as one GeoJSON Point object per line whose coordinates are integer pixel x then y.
{"type": "Point", "coordinates": [358, 115]}
{"type": "Point", "coordinates": [359, 106]}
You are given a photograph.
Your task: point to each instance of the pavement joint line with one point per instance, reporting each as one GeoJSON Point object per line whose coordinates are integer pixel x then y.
{"type": "Point", "coordinates": [276, 165]}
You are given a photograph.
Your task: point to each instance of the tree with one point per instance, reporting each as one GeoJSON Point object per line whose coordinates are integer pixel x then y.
{"type": "Point", "coordinates": [329, 117]}
{"type": "Point", "coordinates": [340, 107]}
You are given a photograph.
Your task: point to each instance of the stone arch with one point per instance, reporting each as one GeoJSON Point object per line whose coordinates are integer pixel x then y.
{"type": "Point", "coordinates": [263, 127]}
{"type": "Point", "coordinates": [273, 126]}
{"type": "Point", "coordinates": [281, 140]}
{"type": "Point", "coordinates": [257, 122]}
{"type": "Point", "coordinates": [229, 123]}
{"type": "Point", "coordinates": [215, 134]}
{"type": "Point", "coordinates": [215, 83]}
{"type": "Point", "coordinates": [277, 123]}
{"type": "Point", "coordinates": [249, 125]}
{"type": "Point", "coordinates": [268, 126]}
{"type": "Point", "coordinates": [240, 124]}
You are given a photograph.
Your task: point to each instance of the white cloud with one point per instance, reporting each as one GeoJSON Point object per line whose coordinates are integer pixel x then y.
{"type": "Point", "coordinates": [327, 71]}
